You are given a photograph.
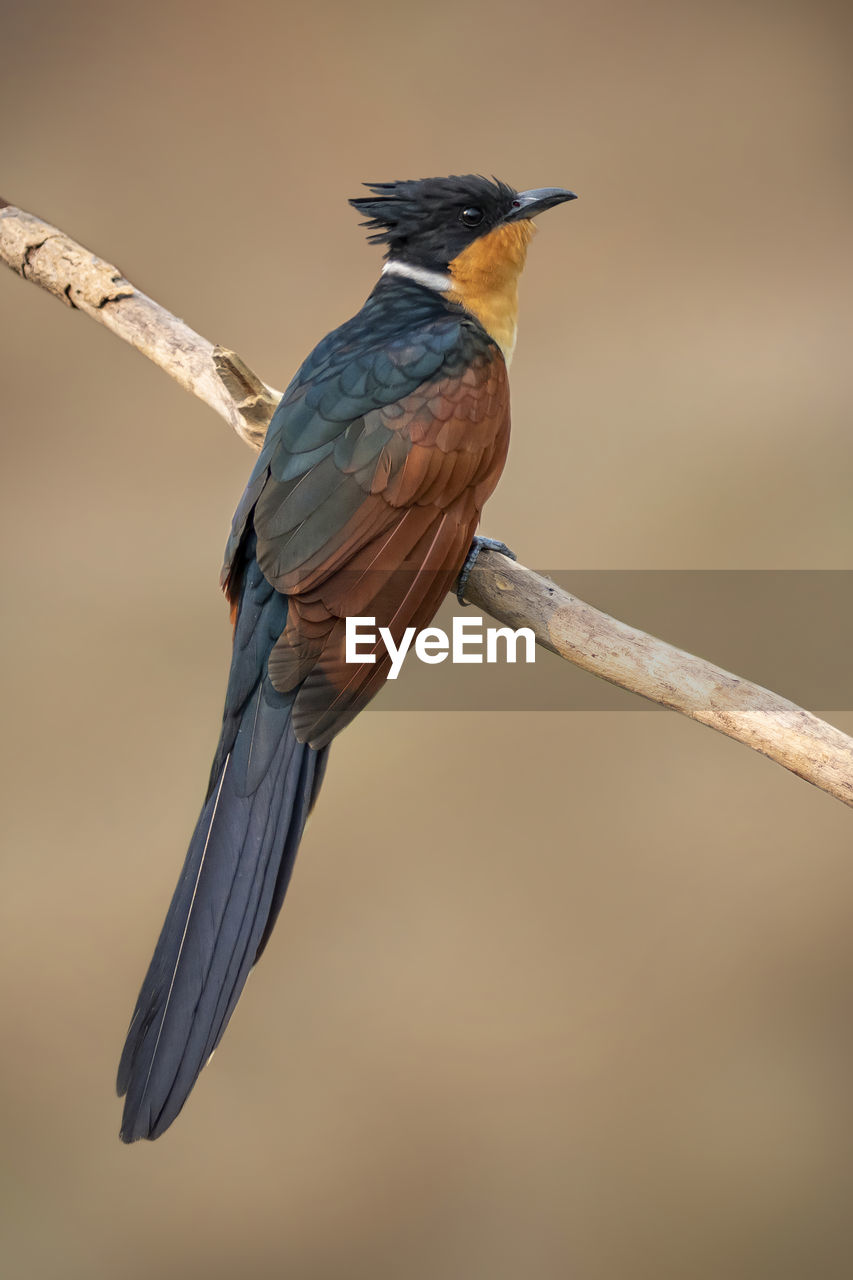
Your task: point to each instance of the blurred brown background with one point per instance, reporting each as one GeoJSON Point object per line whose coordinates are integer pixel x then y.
{"type": "Point", "coordinates": [553, 994]}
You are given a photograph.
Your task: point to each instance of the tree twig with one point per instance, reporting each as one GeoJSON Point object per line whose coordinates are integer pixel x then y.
{"type": "Point", "coordinates": [51, 259]}
{"type": "Point", "coordinates": [569, 627]}
{"type": "Point", "coordinates": [512, 594]}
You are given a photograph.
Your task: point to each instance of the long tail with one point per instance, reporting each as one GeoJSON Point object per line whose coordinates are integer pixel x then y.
{"type": "Point", "coordinates": [234, 879]}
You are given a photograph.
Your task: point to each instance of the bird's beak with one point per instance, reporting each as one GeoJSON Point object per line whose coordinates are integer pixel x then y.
{"type": "Point", "coordinates": [528, 203]}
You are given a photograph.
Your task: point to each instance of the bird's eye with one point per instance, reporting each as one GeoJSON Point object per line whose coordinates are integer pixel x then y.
{"type": "Point", "coordinates": [472, 217]}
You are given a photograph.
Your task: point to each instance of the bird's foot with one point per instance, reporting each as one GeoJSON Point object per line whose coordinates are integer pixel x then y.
{"type": "Point", "coordinates": [479, 544]}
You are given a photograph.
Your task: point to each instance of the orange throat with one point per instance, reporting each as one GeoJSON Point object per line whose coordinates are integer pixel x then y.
{"type": "Point", "coordinates": [485, 280]}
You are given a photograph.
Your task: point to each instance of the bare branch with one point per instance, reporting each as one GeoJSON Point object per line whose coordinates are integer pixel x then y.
{"type": "Point", "coordinates": [49, 258]}
{"type": "Point", "coordinates": [574, 630]}
{"type": "Point", "coordinates": [513, 595]}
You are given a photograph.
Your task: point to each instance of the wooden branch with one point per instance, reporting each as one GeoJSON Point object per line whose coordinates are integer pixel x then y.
{"type": "Point", "coordinates": [513, 595]}
{"type": "Point", "coordinates": [51, 259]}
{"type": "Point", "coordinates": [656, 670]}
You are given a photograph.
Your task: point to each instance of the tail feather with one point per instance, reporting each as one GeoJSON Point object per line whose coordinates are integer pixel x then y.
{"type": "Point", "coordinates": [234, 879]}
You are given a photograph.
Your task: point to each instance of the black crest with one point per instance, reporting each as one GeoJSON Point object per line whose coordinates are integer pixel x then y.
{"type": "Point", "coordinates": [429, 221]}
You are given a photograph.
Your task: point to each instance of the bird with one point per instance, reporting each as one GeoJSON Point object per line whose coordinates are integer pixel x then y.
{"type": "Point", "coordinates": [364, 501]}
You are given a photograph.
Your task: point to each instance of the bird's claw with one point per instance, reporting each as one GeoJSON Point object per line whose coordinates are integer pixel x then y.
{"type": "Point", "coordinates": [478, 544]}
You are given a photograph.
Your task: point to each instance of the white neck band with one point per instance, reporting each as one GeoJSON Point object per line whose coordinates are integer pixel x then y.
{"type": "Point", "coordinates": [436, 280]}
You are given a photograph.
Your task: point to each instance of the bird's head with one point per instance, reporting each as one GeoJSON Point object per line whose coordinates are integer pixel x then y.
{"type": "Point", "coordinates": [465, 237]}
{"type": "Point", "coordinates": [430, 222]}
